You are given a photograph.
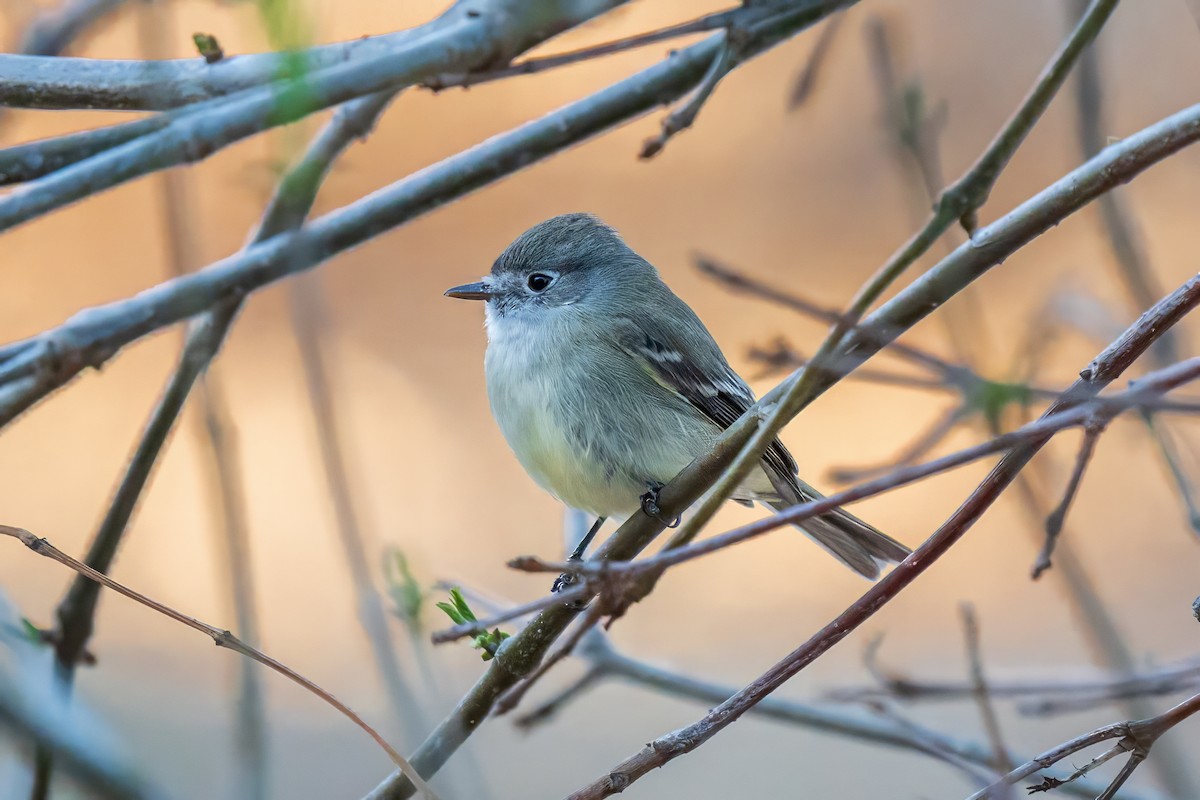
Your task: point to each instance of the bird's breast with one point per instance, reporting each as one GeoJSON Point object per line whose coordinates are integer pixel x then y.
{"type": "Point", "coordinates": [550, 405]}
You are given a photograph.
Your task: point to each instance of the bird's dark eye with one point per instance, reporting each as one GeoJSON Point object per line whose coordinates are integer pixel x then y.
{"type": "Point", "coordinates": [540, 281]}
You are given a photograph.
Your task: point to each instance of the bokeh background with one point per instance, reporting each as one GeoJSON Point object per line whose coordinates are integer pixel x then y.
{"type": "Point", "coordinates": [812, 199]}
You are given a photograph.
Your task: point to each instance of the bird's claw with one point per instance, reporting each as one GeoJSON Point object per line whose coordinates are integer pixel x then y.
{"type": "Point", "coordinates": [651, 508]}
{"type": "Point", "coordinates": [564, 581]}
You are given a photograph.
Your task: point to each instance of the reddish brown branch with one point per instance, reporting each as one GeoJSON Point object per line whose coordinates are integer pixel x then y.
{"type": "Point", "coordinates": [1107, 366]}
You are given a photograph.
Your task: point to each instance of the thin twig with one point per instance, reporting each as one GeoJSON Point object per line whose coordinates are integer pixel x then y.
{"type": "Point", "coordinates": [52, 30]}
{"type": "Point", "coordinates": [1107, 366]}
{"type": "Point", "coordinates": [218, 438]}
{"type": "Point", "coordinates": [233, 538]}
{"type": "Point", "coordinates": [309, 326]}
{"type": "Point", "coordinates": [530, 66]}
{"type": "Point", "coordinates": [683, 117]}
{"type": "Point", "coordinates": [1034, 696]}
{"type": "Point", "coordinates": [1135, 738]}
{"type": "Point", "coordinates": [1053, 421]}
{"type": "Point", "coordinates": [734, 43]}
{"type": "Point", "coordinates": [563, 599]}
{"type": "Point", "coordinates": [981, 690]}
{"type": "Point", "coordinates": [909, 306]}
{"type": "Point", "coordinates": [29, 370]}
{"type": "Point", "coordinates": [958, 202]}
{"type": "Point", "coordinates": [806, 80]}
{"type": "Point", "coordinates": [221, 638]}
{"type": "Point", "coordinates": [605, 661]}
{"type": "Point", "coordinates": [1054, 522]}
{"type": "Point", "coordinates": [1129, 254]}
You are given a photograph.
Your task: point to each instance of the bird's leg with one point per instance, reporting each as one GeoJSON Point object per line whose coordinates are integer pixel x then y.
{"type": "Point", "coordinates": [581, 548]}
{"type": "Point", "coordinates": [650, 505]}
{"type": "Point", "coordinates": [570, 578]}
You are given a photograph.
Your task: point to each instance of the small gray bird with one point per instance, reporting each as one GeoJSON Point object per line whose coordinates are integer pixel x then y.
{"type": "Point", "coordinates": [606, 385]}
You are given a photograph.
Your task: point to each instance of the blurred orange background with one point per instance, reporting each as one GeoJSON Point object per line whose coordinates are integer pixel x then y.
{"type": "Point", "coordinates": [812, 200]}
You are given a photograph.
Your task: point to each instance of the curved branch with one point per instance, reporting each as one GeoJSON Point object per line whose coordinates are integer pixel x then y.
{"type": "Point", "coordinates": [1105, 368]}
{"type": "Point", "coordinates": [221, 638]}
{"type": "Point", "coordinates": [33, 368]}
{"type": "Point", "coordinates": [137, 85]}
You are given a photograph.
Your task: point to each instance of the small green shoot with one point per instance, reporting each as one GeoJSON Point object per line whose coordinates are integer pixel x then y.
{"type": "Point", "coordinates": [460, 613]}
{"type": "Point", "coordinates": [208, 46]}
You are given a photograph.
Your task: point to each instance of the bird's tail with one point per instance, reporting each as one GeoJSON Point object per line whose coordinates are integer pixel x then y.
{"type": "Point", "coordinates": [856, 544]}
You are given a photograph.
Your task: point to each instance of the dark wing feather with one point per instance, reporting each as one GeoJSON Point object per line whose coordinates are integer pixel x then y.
{"type": "Point", "coordinates": [706, 381]}
{"type": "Point", "coordinates": [722, 397]}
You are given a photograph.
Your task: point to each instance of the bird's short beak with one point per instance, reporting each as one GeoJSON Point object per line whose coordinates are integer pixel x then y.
{"type": "Point", "coordinates": [471, 291]}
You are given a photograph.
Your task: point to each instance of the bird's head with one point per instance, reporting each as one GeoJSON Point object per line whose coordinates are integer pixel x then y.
{"type": "Point", "coordinates": [557, 264]}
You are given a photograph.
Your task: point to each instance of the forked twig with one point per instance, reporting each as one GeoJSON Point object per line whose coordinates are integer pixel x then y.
{"type": "Point", "coordinates": [1134, 738]}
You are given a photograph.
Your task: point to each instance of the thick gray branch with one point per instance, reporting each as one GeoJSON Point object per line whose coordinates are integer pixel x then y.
{"type": "Point", "coordinates": [31, 369]}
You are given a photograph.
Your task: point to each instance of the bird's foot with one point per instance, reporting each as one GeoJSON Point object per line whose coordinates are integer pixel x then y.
{"type": "Point", "coordinates": [566, 580]}
{"type": "Point", "coordinates": [651, 508]}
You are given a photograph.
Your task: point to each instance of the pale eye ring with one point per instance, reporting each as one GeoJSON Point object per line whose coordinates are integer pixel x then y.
{"type": "Point", "coordinates": [539, 281]}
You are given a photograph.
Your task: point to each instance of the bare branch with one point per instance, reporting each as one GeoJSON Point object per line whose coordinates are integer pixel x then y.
{"type": "Point", "coordinates": [1054, 523]}
{"type": "Point", "coordinates": [286, 211]}
{"type": "Point", "coordinates": [683, 117]}
{"type": "Point", "coordinates": [530, 66]}
{"type": "Point", "coordinates": [53, 29]}
{"type": "Point", "coordinates": [806, 81]}
{"type": "Point", "coordinates": [220, 638]}
{"type": "Point", "coordinates": [36, 708]}
{"type": "Point", "coordinates": [139, 85]}
{"type": "Point", "coordinates": [959, 202]}
{"type": "Point", "coordinates": [95, 335]}
{"type": "Point", "coordinates": [193, 134]}
{"type": "Point", "coordinates": [968, 262]}
{"type": "Point", "coordinates": [982, 690]}
{"type": "Point", "coordinates": [1050, 423]}
{"type": "Point", "coordinates": [31, 82]}
{"type": "Point", "coordinates": [738, 41]}
{"type": "Point", "coordinates": [1135, 738]}
{"type": "Point", "coordinates": [890, 730]}
{"type": "Point", "coordinates": [1034, 696]}
{"type": "Point", "coordinates": [25, 162]}
{"type": "Point", "coordinates": [513, 696]}
{"type": "Point", "coordinates": [308, 325]}
{"type": "Point", "coordinates": [1103, 370]}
